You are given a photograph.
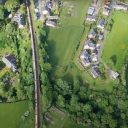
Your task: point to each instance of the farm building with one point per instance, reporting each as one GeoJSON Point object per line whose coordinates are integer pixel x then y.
{"type": "Point", "coordinates": [10, 62]}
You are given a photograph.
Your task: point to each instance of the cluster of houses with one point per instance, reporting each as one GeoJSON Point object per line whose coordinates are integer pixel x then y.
{"type": "Point", "coordinates": [90, 54]}
{"type": "Point", "coordinates": [50, 19]}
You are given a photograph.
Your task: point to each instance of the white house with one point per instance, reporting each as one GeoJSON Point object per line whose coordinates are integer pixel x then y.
{"type": "Point", "coordinates": [53, 17]}
{"type": "Point", "coordinates": [91, 18]}
{"type": "Point", "coordinates": [106, 11]}
{"type": "Point", "coordinates": [94, 58]}
{"type": "Point", "coordinates": [91, 10]}
{"type": "Point", "coordinates": [120, 7]}
{"type": "Point", "coordinates": [113, 74]}
{"type": "Point", "coordinates": [10, 62]}
{"type": "Point", "coordinates": [50, 23]}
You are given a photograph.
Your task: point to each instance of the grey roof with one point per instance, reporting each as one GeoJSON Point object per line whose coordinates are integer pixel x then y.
{"type": "Point", "coordinates": [92, 32]}
{"type": "Point", "coordinates": [85, 54]}
{"type": "Point", "coordinates": [1, 1]}
{"type": "Point", "coordinates": [95, 72]}
{"type": "Point", "coordinates": [102, 22]}
{"type": "Point", "coordinates": [90, 43]}
{"type": "Point", "coordinates": [91, 16]}
{"type": "Point", "coordinates": [11, 59]}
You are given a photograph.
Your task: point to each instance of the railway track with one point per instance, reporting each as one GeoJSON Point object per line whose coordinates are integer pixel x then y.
{"type": "Point", "coordinates": [35, 67]}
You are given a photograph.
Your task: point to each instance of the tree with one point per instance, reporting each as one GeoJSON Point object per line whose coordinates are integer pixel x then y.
{"type": "Point", "coordinates": [10, 5]}
{"type": "Point", "coordinates": [61, 101]}
{"type": "Point", "coordinates": [1, 13]}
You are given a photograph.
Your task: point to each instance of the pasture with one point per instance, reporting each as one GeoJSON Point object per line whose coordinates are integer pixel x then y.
{"type": "Point", "coordinates": [116, 44]}
{"type": "Point", "coordinates": [10, 114]}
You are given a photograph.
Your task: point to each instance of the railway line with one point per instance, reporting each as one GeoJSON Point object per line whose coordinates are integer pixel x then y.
{"type": "Point", "coordinates": [35, 68]}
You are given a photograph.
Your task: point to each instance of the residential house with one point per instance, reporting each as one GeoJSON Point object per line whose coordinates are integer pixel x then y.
{"type": "Point", "coordinates": [38, 15]}
{"type": "Point", "coordinates": [89, 44]}
{"type": "Point", "coordinates": [53, 17]}
{"type": "Point", "coordinates": [19, 19]}
{"type": "Point", "coordinates": [95, 72]}
{"type": "Point", "coordinates": [120, 7]}
{"type": "Point", "coordinates": [85, 58]}
{"type": "Point", "coordinates": [91, 10]}
{"type": "Point", "coordinates": [94, 58]}
{"type": "Point", "coordinates": [101, 36]}
{"type": "Point", "coordinates": [113, 74]}
{"type": "Point", "coordinates": [92, 34]}
{"type": "Point", "coordinates": [106, 11]}
{"type": "Point", "coordinates": [101, 24]}
{"type": "Point", "coordinates": [94, 2]}
{"type": "Point", "coordinates": [91, 18]}
{"type": "Point", "coordinates": [10, 62]}
{"type": "Point", "coordinates": [98, 46]}
{"type": "Point", "coordinates": [51, 23]}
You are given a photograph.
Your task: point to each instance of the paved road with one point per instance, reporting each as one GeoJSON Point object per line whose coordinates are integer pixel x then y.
{"type": "Point", "coordinates": [35, 68]}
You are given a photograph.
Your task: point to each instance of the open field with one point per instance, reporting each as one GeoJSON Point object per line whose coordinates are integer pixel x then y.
{"type": "Point", "coordinates": [10, 114]}
{"type": "Point", "coordinates": [63, 40]}
{"type": "Point", "coordinates": [116, 43]}
{"type": "Point", "coordinates": [66, 42]}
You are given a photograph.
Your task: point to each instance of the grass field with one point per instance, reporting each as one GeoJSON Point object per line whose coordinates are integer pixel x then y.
{"type": "Point", "coordinates": [10, 114]}
{"type": "Point", "coordinates": [63, 40]}
{"type": "Point", "coordinates": [116, 43]}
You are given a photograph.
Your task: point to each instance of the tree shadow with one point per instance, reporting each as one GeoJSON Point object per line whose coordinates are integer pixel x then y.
{"type": "Point", "coordinates": [113, 58]}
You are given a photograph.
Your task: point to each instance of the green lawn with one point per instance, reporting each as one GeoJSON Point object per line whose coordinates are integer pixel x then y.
{"type": "Point", "coordinates": [10, 114]}
{"type": "Point", "coordinates": [64, 39]}
{"type": "Point", "coordinates": [116, 43]}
